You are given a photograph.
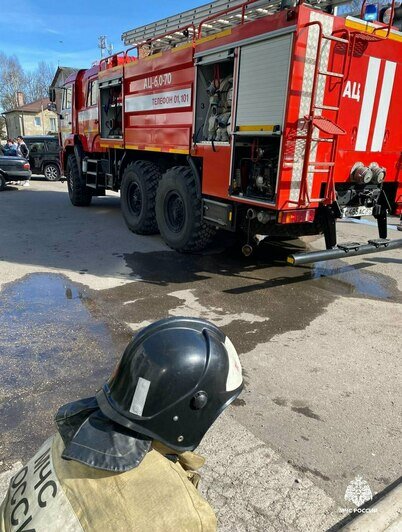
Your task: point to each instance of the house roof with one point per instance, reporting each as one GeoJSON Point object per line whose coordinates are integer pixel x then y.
{"type": "Point", "coordinates": [65, 70]}
{"type": "Point", "coordinates": [33, 107]}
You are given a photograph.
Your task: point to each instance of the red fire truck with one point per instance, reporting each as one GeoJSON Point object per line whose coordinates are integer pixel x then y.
{"type": "Point", "coordinates": [257, 117]}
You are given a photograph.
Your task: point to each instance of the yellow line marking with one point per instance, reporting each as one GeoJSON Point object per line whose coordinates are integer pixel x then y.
{"type": "Point", "coordinates": [146, 148]}
{"type": "Point", "coordinates": [152, 56]}
{"type": "Point", "coordinates": [215, 36]}
{"type": "Point", "coordinates": [117, 146]}
{"type": "Point", "coordinates": [393, 36]}
{"type": "Point", "coordinates": [174, 150]}
{"type": "Point", "coordinates": [182, 47]}
{"type": "Point", "coordinates": [256, 128]}
{"type": "Point", "coordinates": [131, 64]}
{"type": "Point", "coordinates": [104, 73]}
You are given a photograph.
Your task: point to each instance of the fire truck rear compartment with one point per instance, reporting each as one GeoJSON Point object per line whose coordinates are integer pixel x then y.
{"type": "Point", "coordinates": [255, 167]}
{"type": "Point", "coordinates": [260, 116]}
{"type": "Point", "coordinates": [214, 98]}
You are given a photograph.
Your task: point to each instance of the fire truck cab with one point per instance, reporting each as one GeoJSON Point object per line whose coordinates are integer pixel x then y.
{"type": "Point", "coordinates": [257, 117]}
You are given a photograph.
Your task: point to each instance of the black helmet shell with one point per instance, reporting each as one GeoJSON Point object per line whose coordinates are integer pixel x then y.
{"type": "Point", "coordinates": [174, 379]}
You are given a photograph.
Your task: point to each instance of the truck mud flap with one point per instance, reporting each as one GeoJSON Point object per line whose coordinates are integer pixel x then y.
{"type": "Point", "coordinates": [342, 251]}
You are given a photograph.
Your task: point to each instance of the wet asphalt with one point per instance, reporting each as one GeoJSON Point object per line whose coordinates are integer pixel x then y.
{"type": "Point", "coordinates": [320, 345]}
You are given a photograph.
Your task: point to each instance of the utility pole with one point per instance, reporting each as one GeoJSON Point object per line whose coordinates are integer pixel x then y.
{"type": "Point", "coordinates": [104, 46]}
{"type": "Point", "coordinates": [43, 118]}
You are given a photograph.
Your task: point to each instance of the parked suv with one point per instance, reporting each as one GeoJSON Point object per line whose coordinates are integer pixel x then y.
{"type": "Point", "coordinates": [44, 156]}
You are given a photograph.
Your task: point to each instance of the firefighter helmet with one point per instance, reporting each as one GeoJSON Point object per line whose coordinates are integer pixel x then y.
{"type": "Point", "coordinates": [174, 379]}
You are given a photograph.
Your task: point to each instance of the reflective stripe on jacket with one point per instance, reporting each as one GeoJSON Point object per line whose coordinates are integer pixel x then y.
{"type": "Point", "coordinates": [52, 494]}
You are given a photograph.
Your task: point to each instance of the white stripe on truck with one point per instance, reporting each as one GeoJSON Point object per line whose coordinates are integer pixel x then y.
{"type": "Point", "coordinates": [368, 103]}
{"type": "Point", "coordinates": [383, 106]}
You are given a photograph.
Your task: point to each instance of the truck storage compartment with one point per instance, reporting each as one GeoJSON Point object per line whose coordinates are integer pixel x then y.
{"type": "Point", "coordinates": [255, 167]}
{"type": "Point", "coordinates": [263, 83]}
{"type": "Point", "coordinates": [214, 97]}
{"type": "Point", "coordinates": [261, 101]}
{"type": "Point", "coordinates": [111, 114]}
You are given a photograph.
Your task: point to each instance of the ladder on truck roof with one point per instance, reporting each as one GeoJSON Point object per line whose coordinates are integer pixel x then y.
{"type": "Point", "coordinates": [169, 30]}
{"type": "Point", "coordinates": [192, 18]}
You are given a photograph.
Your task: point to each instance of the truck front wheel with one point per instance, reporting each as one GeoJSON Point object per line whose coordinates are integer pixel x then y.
{"type": "Point", "coordinates": [77, 191]}
{"type": "Point", "coordinates": [138, 191]}
{"type": "Point", "coordinates": [179, 211]}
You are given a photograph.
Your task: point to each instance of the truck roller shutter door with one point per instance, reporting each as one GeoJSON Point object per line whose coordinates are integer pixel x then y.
{"type": "Point", "coordinates": [263, 80]}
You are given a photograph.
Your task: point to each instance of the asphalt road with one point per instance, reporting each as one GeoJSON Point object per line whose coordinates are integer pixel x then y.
{"type": "Point", "coordinates": [320, 348]}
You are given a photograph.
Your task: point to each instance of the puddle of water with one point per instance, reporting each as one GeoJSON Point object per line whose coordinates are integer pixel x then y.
{"type": "Point", "coordinates": [47, 334]}
{"type": "Point", "coordinates": [351, 280]}
{"type": "Point", "coordinates": [266, 268]}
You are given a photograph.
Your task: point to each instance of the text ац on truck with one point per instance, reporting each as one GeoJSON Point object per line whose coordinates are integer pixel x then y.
{"type": "Point", "coordinates": [260, 118]}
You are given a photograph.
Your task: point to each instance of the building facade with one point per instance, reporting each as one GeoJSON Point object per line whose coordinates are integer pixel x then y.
{"type": "Point", "coordinates": [59, 79]}
{"type": "Point", "coordinates": [31, 119]}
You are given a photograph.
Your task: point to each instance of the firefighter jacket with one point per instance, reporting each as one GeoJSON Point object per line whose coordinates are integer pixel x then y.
{"type": "Point", "coordinates": [52, 494]}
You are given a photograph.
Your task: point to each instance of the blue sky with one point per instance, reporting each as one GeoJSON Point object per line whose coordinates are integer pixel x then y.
{"type": "Point", "coordinates": [66, 32]}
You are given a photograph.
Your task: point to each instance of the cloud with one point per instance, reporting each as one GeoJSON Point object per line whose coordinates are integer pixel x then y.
{"type": "Point", "coordinates": [29, 56]}
{"type": "Point", "coordinates": [53, 32]}
{"type": "Point", "coordinates": [19, 24]}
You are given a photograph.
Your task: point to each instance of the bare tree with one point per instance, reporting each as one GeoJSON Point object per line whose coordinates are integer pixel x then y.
{"type": "Point", "coordinates": [3, 130]}
{"type": "Point", "coordinates": [12, 81]}
{"type": "Point", "coordinates": [37, 82]}
{"type": "Point", "coordinates": [33, 85]}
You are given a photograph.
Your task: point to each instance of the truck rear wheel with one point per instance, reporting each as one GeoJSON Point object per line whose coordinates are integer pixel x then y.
{"type": "Point", "coordinates": [138, 191]}
{"type": "Point", "coordinates": [77, 191]}
{"type": "Point", "coordinates": [179, 211]}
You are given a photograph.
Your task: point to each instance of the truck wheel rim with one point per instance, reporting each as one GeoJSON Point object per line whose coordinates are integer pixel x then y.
{"type": "Point", "coordinates": [51, 173]}
{"type": "Point", "coordinates": [135, 199]}
{"type": "Point", "coordinates": [174, 212]}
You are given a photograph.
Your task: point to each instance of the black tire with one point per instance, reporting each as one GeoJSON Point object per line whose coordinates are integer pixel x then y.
{"type": "Point", "coordinates": [138, 190]}
{"type": "Point", "coordinates": [77, 191]}
{"type": "Point", "coordinates": [178, 211]}
{"type": "Point", "coordinates": [3, 183]}
{"type": "Point", "coordinates": [51, 171]}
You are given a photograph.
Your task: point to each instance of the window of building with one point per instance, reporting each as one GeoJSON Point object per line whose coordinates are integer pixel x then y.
{"type": "Point", "coordinates": [52, 122]}
{"type": "Point", "coordinates": [92, 95]}
{"type": "Point", "coordinates": [37, 121]}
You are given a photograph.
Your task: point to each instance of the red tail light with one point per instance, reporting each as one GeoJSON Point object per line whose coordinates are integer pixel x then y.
{"type": "Point", "coordinates": [26, 166]}
{"type": "Point", "coordinates": [296, 217]}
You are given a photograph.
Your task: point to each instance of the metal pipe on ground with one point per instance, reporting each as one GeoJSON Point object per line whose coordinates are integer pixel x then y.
{"type": "Point", "coordinates": [343, 251]}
